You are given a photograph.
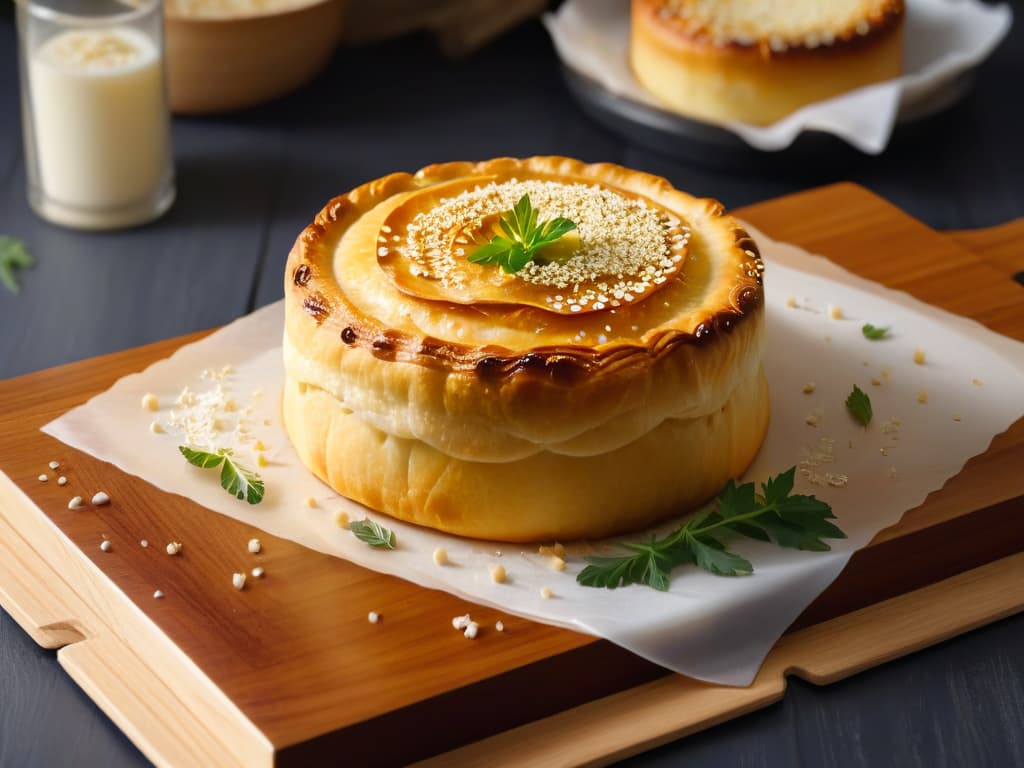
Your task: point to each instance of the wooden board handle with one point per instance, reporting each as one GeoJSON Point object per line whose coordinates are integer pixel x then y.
{"type": "Point", "coordinates": [1001, 247]}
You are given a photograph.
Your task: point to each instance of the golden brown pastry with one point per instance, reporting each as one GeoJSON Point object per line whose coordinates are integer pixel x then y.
{"type": "Point", "coordinates": [756, 61]}
{"type": "Point", "coordinates": [614, 381]}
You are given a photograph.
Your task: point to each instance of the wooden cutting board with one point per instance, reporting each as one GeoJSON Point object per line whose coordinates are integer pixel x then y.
{"type": "Point", "coordinates": [289, 671]}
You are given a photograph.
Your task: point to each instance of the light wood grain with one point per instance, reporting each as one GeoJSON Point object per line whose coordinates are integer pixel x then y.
{"type": "Point", "coordinates": [291, 661]}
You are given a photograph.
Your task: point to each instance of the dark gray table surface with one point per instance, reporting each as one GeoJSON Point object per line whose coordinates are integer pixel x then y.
{"type": "Point", "coordinates": [248, 183]}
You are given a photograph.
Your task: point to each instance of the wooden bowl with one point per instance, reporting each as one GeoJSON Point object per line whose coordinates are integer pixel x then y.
{"type": "Point", "coordinates": [223, 64]}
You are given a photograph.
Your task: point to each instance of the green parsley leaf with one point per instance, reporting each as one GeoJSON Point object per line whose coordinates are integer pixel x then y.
{"type": "Point", "coordinates": [859, 406]}
{"type": "Point", "coordinates": [523, 238]}
{"type": "Point", "coordinates": [234, 478]}
{"type": "Point", "coordinates": [874, 332]}
{"type": "Point", "coordinates": [374, 534]}
{"type": "Point", "coordinates": [14, 255]}
{"type": "Point", "coordinates": [776, 514]}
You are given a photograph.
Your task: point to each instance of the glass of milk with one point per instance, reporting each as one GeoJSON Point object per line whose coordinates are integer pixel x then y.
{"type": "Point", "coordinates": [94, 109]}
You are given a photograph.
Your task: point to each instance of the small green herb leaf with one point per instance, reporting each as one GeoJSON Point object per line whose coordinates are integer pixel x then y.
{"type": "Point", "coordinates": [374, 534]}
{"type": "Point", "coordinates": [790, 520]}
{"type": "Point", "coordinates": [523, 237]}
{"type": "Point", "coordinates": [859, 406]}
{"type": "Point", "coordinates": [874, 332]}
{"type": "Point", "coordinates": [235, 479]}
{"type": "Point", "coordinates": [14, 255]}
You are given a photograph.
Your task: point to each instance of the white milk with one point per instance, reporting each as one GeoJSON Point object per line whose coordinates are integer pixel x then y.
{"type": "Point", "coordinates": [101, 134]}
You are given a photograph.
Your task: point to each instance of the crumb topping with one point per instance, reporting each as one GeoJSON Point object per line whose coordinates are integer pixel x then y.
{"type": "Point", "coordinates": [626, 246]}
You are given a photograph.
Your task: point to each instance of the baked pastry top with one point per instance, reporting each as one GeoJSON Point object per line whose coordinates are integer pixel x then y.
{"type": "Point", "coordinates": [518, 406]}
{"type": "Point", "coordinates": [758, 60]}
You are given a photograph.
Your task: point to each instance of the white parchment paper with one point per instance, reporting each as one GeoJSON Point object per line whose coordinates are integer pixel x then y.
{"type": "Point", "coordinates": [942, 39]}
{"type": "Point", "coordinates": [712, 628]}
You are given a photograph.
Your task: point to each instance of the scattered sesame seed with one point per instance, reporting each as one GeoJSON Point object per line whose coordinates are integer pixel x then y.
{"type": "Point", "coordinates": [461, 622]}
{"type": "Point", "coordinates": [62, 480]}
{"type": "Point", "coordinates": [105, 545]}
{"type": "Point", "coordinates": [238, 580]}
{"type": "Point", "coordinates": [440, 556]}
{"type": "Point", "coordinates": [43, 478]}
{"type": "Point", "coordinates": [809, 387]}
{"type": "Point", "coordinates": [373, 617]}
{"type": "Point", "coordinates": [158, 595]}
{"type": "Point", "coordinates": [884, 451]}
{"type": "Point", "coordinates": [499, 626]}
{"type": "Point", "coordinates": [174, 548]}
{"type": "Point", "coordinates": [100, 498]}
{"type": "Point", "coordinates": [922, 397]}
{"type": "Point", "coordinates": [54, 465]}
{"type": "Point", "coordinates": [546, 593]}
{"type": "Point", "coordinates": [149, 402]}
{"type": "Point", "coordinates": [498, 575]}
{"type": "Point", "coordinates": [143, 543]}
{"type": "Point", "coordinates": [75, 503]}
{"type": "Point", "coordinates": [863, 27]}
{"type": "Point", "coordinates": [471, 630]}
{"type": "Point", "coordinates": [257, 572]}
{"type": "Point", "coordinates": [254, 546]}
{"type": "Point", "coordinates": [919, 356]}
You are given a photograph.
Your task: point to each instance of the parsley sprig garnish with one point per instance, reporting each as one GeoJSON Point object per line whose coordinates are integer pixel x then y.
{"type": "Point", "coordinates": [523, 238]}
{"type": "Point", "coordinates": [235, 479]}
{"type": "Point", "coordinates": [372, 533]}
{"type": "Point", "coordinates": [776, 514]}
{"type": "Point", "coordinates": [859, 406]}
{"type": "Point", "coordinates": [14, 256]}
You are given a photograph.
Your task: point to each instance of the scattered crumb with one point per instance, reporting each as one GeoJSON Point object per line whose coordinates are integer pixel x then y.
{"type": "Point", "coordinates": [556, 563]}
{"type": "Point", "coordinates": [922, 397]}
{"type": "Point", "coordinates": [791, 301]}
{"type": "Point", "coordinates": [62, 480]}
{"type": "Point", "coordinates": [100, 499]}
{"type": "Point", "coordinates": [43, 478]}
{"type": "Point", "coordinates": [342, 519]}
{"type": "Point", "coordinates": [828, 338]}
{"type": "Point", "coordinates": [977, 382]}
{"type": "Point", "coordinates": [54, 465]}
{"type": "Point", "coordinates": [75, 503]}
{"type": "Point", "coordinates": [257, 572]}
{"type": "Point", "coordinates": [311, 502]}
{"type": "Point", "coordinates": [158, 594]}
{"type": "Point", "coordinates": [499, 626]}
{"type": "Point", "coordinates": [814, 418]}
{"type": "Point", "coordinates": [555, 549]}
{"type": "Point", "coordinates": [956, 417]}
{"type": "Point", "coordinates": [892, 472]}
{"type": "Point", "coordinates": [876, 382]}
{"type": "Point", "coordinates": [174, 548]}
{"type": "Point", "coordinates": [546, 593]}
{"type": "Point", "coordinates": [471, 630]}
{"type": "Point", "coordinates": [238, 580]}
{"type": "Point", "coordinates": [498, 574]}
{"type": "Point", "coordinates": [809, 387]}
{"type": "Point", "coordinates": [143, 543]}
{"type": "Point", "coordinates": [261, 460]}
{"type": "Point", "coordinates": [837, 480]}
{"type": "Point", "coordinates": [440, 556]}
{"type": "Point", "coordinates": [919, 356]}
{"type": "Point", "coordinates": [884, 451]}
{"type": "Point", "coordinates": [461, 622]}
{"type": "Point", "coordinates": [373, 617]}
{"type": "Point", "coordinates": [886, 375]}
{"type": "Point", "coordinates": [105, 545]}
{"type": "Point", "coordinates": [835, 311]}
{"type": "Point", "coordinates": [156, 428]}
{"type": "Point", "coordinates": [150, 403]}
{"type": "Point", "coordinates": [254, 545]}
{"type": "Point", "coordinates": [260, 446]}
